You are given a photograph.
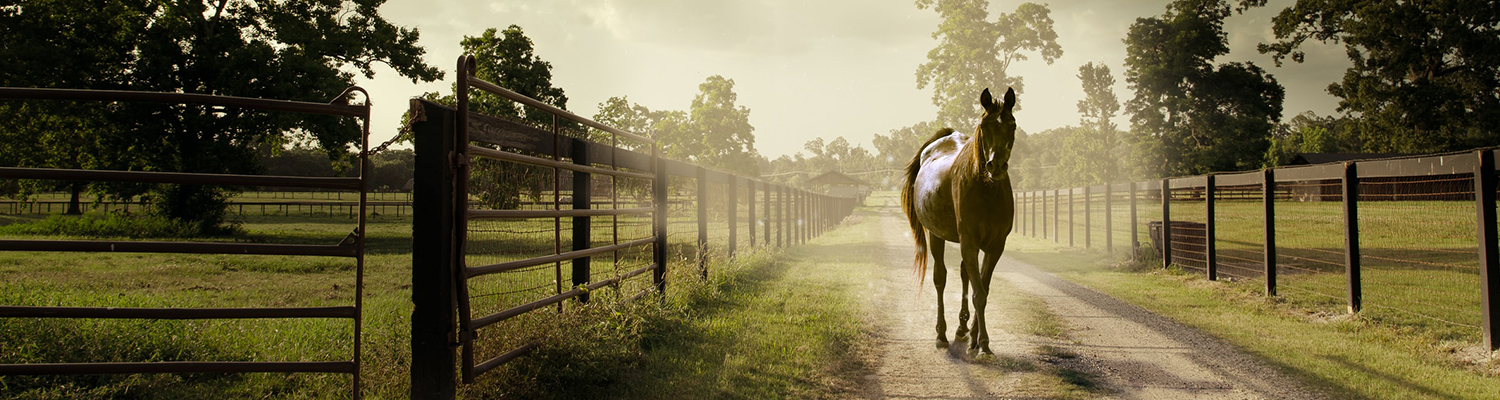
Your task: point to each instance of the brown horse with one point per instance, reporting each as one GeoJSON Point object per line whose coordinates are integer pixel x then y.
{"type": "Point", "coordinates": [958, 190]}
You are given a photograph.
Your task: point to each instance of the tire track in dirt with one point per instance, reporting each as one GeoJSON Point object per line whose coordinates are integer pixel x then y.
{"type": "Point", "coordinates": [1126, 351]}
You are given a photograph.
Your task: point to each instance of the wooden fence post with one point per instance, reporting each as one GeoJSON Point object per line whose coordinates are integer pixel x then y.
{"type": "Point", "coordinates": [1042, 204]}
{"type": "Point", "coordinates": [659, 199]}
{"type": "Point", "coordinates": [750, 220]}
{"type": "Point", "coordinates": [1268, 187]}
{"type": "Point", "coordinates": [1070, 217]}
{"type": "Point", "coordinates": [1056, 216]}
{"type": "Point", "coordinates": [1166, 223]}
{"type": "Point", "coordinates": [780, 214]}
{"type": "Point", "coordinates": [433, 315]}
{"type": "Point", "coordinates": [1109, 221]}
{"type": "Point", "coordinates": [1351, 234]}
{"type": "Point", "coordinates": [1088, 218]}
{"type": "Point", "coordinates": [1210, 256]}
{"type": "Point", "coordinates": [582, 225]}
{"type": "Point", "coordinates": [767, 218]}
{"type": "Point", "coordinates": [733, 211]}
{"type": "Point", "coordinates": [1135, 227]}
{"type": "Point", "coordinates": [702, 200]}
{"type": "Point", "coordinates": [1489, 250]}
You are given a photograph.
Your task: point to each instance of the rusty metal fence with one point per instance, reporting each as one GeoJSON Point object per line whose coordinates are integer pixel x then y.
{"type": "Point", "coordinates": [515, 220]}
{"type": "Point", "coordinates": [1407, 241]}
{"type": "Point", "coordinates": [341, 106]}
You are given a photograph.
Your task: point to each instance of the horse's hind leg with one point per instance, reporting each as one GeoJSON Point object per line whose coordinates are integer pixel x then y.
{"type": "Point", "coordinates": [935, 246]}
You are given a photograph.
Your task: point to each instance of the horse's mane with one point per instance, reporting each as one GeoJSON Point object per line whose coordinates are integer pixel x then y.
{"type": "Point", "coordinates": [909, 203]}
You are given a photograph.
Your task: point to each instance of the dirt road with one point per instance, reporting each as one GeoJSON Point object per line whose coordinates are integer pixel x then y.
{"type": "Point", "coordinates": [1111, 350]}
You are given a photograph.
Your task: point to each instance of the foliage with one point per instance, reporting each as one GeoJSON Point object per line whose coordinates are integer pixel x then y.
{"type": "Point", "coordinates": [974, 54]}
{"type": "Point", "coordinates": [1309, 133]}
{"type": "Point", "coordinates": [1423, 76]}
{"type": "Point", "coordinates": [902, 144]}
{"type": "Point", "coordinates": [1092, 154]}
{"type": "Point", "coordinates": [113, 225]}
{"type": "Point", "coordinates": [291, 50]}
{"type": "Point", "coordinates": [1189, 115]}
{"type": "Point", "coordinates": [714, 132]}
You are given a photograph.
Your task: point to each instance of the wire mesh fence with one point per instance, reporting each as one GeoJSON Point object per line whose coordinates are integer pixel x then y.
{"type": "Point", "coordinates": [1401, 241]}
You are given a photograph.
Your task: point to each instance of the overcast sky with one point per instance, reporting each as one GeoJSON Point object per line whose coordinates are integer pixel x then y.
{"type": "Point", "coordinates": [805, 69]}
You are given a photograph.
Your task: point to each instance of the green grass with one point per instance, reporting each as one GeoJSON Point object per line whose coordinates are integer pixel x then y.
{"type": "Point", "coordinates": [1348, 356]}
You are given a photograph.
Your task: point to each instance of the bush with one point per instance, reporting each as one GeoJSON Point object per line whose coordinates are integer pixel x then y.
{"type": "Point", "coordinates": [117, 225]}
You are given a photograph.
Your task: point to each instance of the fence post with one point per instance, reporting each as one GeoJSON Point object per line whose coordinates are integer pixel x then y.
{"type": "Point", "coordinates": [702, 200]}
{"type": "Point", "coordinates": [767, 218]}
{"type": "Point", "coordinates": [1351, 234]}
{"type": "Point", "coordinates": [1070, 217]}
{"type": "Point", "coordinates": [582, 226]}
{"type": "Point", "coordinates": [780, 213]}
{"type": "Point", "coordinates": [1109, 221]}
{"type": "Point", "coordinates": [1088, 218]}
{"type": "Point", "coordinates": [433, 315]}
{"type": "Point", "coordinates": [733, 211]}
{"type": "Point", "coordinates": [1135, 227]}
{"type": "Point", "coordinates": [750, 210]}
{"type": "Point", "coordinates": [659, 199]}
{"type": "Point", "coordinates": [1268, 187]}
{"type": "Point", "coordinates": [1056, 215]}
{"type": "Point", "coordinates": [1211, 251]}
{"type": "Point", "coordinates": [1043, 213]}
{"type": "Point", "coordinates": [1489, 250]}
{"type": "Point", "coordinates": [1166, 222]}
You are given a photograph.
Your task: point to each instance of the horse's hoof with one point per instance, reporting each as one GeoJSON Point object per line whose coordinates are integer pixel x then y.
{"type": "Point", "coordinates": [942, 343]}
{"type": "Point", "coordinates": [961, 334]}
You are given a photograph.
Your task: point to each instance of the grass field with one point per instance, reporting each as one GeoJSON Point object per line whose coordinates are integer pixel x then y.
{"type": "Point", "coordinates": [1348, 356]}
{"type": "Point", "coordinates": [607, 337]}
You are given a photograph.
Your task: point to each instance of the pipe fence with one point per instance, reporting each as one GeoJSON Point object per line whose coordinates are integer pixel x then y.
{"type": "Point", "coordinates": [352, 247]}
{"type": "Point", "coordinates": [516, 221]}
{"type": "Point", "coordinates": [1407, 241]}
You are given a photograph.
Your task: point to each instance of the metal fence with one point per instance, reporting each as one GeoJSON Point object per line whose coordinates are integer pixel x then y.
{"type": "Point", "coordinates": [354, 249]}
{"type": "Point", "coordinates": [1407, 241]}
{"type": "Point", "coordinates": [487, 265]}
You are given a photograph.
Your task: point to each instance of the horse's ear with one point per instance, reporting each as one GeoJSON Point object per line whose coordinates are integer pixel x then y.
{"type": "Point", "coordinates": [1010, 99]}
{"type": "Point", "coordinates": [987, 101]}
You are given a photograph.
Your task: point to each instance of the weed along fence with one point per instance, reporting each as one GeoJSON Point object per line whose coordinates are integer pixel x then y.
{"type": "Point", "coordinates": [352, 248]}
{"type": "Point", "coordinates": [1405, 241]}
{"type": "Point", "coordinates": [517, 221]}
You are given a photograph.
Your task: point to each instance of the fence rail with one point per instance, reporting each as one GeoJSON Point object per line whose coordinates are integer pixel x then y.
{"type": "Point", "coordinates": [483, 267]}
{"type": "Point", "coordinates": [1411, 239]}
{"type": "Point", "coordinates": [338, 107]}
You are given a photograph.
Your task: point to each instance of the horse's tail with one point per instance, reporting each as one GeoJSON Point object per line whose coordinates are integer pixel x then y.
{"type": "Point", "coordinates": [909, 203]}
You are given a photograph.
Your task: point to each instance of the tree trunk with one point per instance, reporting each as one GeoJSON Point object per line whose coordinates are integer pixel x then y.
{"type": "Point", "coordinates": [74, 206]}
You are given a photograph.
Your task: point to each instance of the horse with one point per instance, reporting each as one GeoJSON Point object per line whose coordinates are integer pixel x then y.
{"type": "Point", "coordinates": [958, 189]}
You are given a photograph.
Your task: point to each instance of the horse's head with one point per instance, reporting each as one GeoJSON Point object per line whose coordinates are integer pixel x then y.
{"type": "Point", "coordinates": [996, 133]}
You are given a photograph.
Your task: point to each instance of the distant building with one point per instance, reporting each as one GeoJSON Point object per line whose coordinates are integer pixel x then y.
{"type": "Point", "coordinates": [837, 184]}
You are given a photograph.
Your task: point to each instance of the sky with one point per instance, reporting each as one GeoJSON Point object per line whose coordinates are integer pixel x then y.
{"type": "Point", "coordinates": [805, 69]}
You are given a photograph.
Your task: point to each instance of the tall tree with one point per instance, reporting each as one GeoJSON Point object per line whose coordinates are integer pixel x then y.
{"type": "Point", "coordinates": [297, 50]}
{"type": "Point", "coordinates": [974, 53]}
{"type": "Point", "coordinates": [1190, 115]}
{"type": "Point", "coordinates": [727, 138]}
{"type": "Point", "coordinates": [1424, 74]}
{"type": "Point", "coordinates": [508, 59]}
{"type": "Point", "coordinates": [1091, 154]}
{"type": "Point", "coordinates": [902, 144]}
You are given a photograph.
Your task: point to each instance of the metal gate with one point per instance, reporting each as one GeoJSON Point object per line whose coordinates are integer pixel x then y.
{"type": "Point", "coordinates": [354, 249]}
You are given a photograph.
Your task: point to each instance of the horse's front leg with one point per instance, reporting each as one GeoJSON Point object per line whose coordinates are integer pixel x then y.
{"type": "Point", "coordinates": [963, 306]}
{"type": "Point", "coordinates": [981, 297]}
{"type": "Point", "coordinates": [935, 246]}
{"type": "Point", "coordinates": [970, 265]}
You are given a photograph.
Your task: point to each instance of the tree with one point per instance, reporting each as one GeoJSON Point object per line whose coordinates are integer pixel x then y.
{"type": "Point", "coordinates": [727, 140]}
{"type": "Point", "coordinates": [509, 60]}
{"type": "Point", "coordinates": [296, 50]}
{"type": "Point", "coordinates": [1092, 153]}
{"type": "Point", "coordinates": [1309, 133]}
{"type": "Point", "coordinates": [902, 144]}
{"type": "Point", "coordinates": [715, 132]}
{"type": "Point", "coordinates": [1189, 115]}
{"type": "Point", "coordinates": [974, 54]}
{"type": "Point", "coordinates": [1424, 73]}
